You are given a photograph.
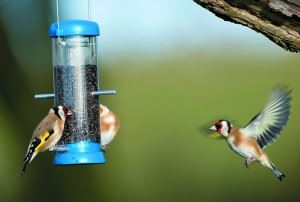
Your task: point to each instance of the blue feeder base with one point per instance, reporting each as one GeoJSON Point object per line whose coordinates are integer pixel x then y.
{"type": "Point", "coordinates": [80, 153]}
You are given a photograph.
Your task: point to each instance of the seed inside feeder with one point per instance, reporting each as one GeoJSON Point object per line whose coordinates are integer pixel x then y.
{"type": "Point", "coordinates": [73, 87]}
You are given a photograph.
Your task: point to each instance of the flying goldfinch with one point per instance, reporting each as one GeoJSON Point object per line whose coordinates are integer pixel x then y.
{"type": "Point", "coordinates": [47, 133]}
{"type": "Point", "coordinates": [261, 131]}
{"type": "Point", "coordinates": [109, 126]}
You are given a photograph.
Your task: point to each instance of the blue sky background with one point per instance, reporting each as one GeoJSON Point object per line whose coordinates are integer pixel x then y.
{"type": "Point", "coordinates": [139, 27]}
{"type": "Point", "coordinates": [155, 26]}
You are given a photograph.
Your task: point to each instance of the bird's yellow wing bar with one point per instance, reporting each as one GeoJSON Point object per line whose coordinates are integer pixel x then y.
{"type": "Point", "coordinates": [43, 140]}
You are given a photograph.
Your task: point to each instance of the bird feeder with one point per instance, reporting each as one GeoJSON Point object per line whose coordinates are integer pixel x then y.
{"type": "Point", "coordinates": [75, 75]}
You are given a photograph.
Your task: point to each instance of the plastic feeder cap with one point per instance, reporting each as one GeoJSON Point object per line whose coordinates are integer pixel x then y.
{"type": "Point", "coordinates": [74, 28]}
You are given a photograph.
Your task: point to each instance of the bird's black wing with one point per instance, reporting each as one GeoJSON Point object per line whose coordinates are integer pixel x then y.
{"type": "Point", "coordinates": [266, 126]}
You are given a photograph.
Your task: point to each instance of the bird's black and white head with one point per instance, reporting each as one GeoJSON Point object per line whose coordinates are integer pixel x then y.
{"type": "Point", "coordinates": [223, 127]}
{"type": "Point", "coordinates": [61, 112]}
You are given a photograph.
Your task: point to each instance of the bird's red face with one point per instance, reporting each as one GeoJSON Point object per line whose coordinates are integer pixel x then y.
{"type": "Point", "coordinates": [68, 111]}
{"type": "Point", "coordinates": [222, 127]}
{"type": "Point", "coordinates": [217, 127]}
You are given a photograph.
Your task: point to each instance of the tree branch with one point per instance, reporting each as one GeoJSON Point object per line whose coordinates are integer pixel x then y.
{"type": "Point", "coordinates": [279, 20]}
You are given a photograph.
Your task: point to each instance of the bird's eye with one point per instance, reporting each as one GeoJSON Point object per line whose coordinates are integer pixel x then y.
{"type": "Point", "coordinates": [65, 110]}
{"type": "Point", "coordinates": [218, 126]}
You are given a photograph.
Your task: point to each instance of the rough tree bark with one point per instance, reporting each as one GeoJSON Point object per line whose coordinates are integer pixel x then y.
{"type": "Point", "coordinates": [279, 20]}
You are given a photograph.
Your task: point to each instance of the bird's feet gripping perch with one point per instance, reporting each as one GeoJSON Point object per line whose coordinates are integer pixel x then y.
{"type": "Point", "coordinates": [59, 148]}
{"type": "Point", "coordinates": [105, 148]}
{"type": "Point", "coordinates": [249, 161]}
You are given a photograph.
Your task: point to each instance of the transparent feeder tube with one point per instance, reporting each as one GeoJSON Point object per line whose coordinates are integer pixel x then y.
{"type": "Point", "coordinates": [75, 77]}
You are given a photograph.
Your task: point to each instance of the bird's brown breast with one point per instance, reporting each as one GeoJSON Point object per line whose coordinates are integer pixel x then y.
{"type": "Point", "coordinates": [109, 120]}
{"type": "Point", "coordinates": [241, 139]}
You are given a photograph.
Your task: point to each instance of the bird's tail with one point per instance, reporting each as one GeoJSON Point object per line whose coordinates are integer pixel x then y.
{"type": "Point", "coordinates": [24, 167]}
{"type": "Point", "coordinates": [28, 158]}
{"type": "Point", "coordinates": [277, 172]}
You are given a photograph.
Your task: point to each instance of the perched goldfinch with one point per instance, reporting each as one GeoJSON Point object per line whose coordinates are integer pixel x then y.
{"type": "Point", "coordinates": [109, 126]}
{"type": "Point", "coordinates": [260, 132]}
{"type": "Point", "coordinates": [47, 133]}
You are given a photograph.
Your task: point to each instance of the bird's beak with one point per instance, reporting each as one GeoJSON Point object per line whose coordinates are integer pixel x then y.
{"type": "Point", "coordinates": [69, 112]}
{"type": "Point", "coordinates": [216, 135]}
{"type": "Point", "coordinates": [214, 128]}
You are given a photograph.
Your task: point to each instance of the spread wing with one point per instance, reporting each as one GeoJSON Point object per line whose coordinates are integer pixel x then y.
{"type": "Point", "coordinates": [266, 126]}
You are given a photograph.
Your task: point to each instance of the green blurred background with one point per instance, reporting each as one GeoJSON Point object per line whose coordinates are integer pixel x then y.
{"type": "Point", "coordinates": [176, 67]}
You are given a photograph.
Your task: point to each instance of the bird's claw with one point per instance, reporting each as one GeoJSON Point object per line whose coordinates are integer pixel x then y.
{"type": "Point", "coordinates": [249, 161]}
{"type": "Point", "coordinates": [59, 148]}
{"type": "Point", "coordinates": [105, 148]}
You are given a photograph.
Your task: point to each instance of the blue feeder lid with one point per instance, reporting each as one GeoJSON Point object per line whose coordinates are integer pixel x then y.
{"type": "Point", "coordinates": [74, 28]}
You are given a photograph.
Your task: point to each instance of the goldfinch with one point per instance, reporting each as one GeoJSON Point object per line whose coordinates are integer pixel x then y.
{"type": "Point", "coordinates": [263, 129]}
{"type": "Point", "coordinates": [47, 133]}
{"type": "Point", "coordinates": [109, 126]}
